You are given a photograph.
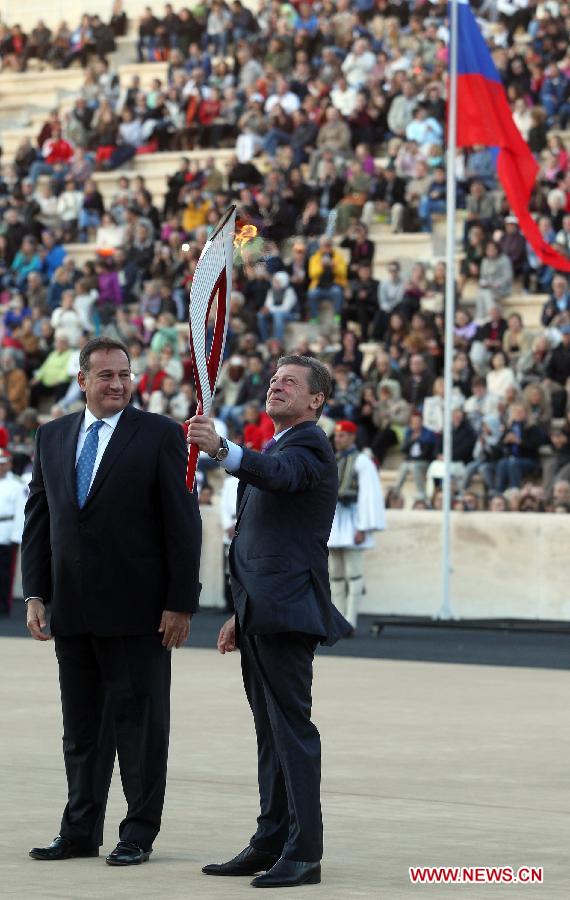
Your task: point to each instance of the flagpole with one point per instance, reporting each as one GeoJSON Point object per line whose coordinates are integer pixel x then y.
{"type": "Point", "coordinates": [446, 609]}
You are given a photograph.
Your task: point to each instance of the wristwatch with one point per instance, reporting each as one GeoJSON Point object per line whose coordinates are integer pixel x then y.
{"type": "Point", "coordinates": [222, 451]}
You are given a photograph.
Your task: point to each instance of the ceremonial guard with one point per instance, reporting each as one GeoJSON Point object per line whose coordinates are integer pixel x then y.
{"type": "Point", "coordinates": [12, 502]}
{"type": "Point", "coordinates": [359, 512]}
{"type": "Point", "coordinates": [228, 515]}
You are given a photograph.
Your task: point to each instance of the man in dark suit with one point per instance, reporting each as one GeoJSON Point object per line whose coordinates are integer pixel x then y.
{"type": "Point", "coordinates": [112, 540]}
{"type": "Point", "coordinates": [278, 567]}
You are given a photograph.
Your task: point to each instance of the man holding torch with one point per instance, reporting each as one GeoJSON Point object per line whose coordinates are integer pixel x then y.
{"type": "Point", "coordinates": [278, 565]}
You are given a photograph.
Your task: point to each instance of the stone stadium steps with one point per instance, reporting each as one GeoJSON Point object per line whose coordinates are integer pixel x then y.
{"type": "Point", "coordinates": [528, 305]}
{"type": "Point", "coordinates": [30, 96]}
{"type": "Point", "coordinates": [155, 169]}
{"type": "Point", "coordinates": [108, 184]}
{"type": "Point", "coordinates": [27, 12]}
{"type": "Point", "coordinates": [146, 71]}
{"type": "Point", "coordinates": [27, 82]}
{"type": "Point", "coordinates": [414, 247]}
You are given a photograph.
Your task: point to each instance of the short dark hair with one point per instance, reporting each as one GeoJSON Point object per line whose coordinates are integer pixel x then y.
{"type": "Point", "coordinates": [320, 380]}
{"type": "Point", "coordinates": [100, 343]}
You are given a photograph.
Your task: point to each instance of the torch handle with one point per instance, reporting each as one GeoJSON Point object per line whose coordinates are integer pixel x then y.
{"type": "Point", "coordinates": [193, 453]}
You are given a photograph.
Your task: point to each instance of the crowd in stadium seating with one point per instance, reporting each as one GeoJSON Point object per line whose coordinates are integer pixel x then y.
{"type": "Point", "coordinates": [336, 113]}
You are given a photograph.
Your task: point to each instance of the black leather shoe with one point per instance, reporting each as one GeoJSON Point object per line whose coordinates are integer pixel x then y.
{"type": "Point", "coordinates": [127, 854]}
{"type": "Point", "coordinates": [248, 862]}
{"type": "Point", "coordinates": [61, 848]}
{"type": "Point", "coordinates": [289, 873]}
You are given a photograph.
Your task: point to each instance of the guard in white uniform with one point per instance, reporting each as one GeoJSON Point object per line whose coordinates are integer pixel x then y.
{"type": "Point", "coordinates": [12, 503]}
{"type": "Point", "coordinates": [359, 512]}
{"type": "Point", "coordinates": [228, 512]}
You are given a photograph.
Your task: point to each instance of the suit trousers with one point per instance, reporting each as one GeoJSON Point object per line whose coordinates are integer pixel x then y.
{"type": "Point", "coordinates": [277, 674]}
{"type": "Point", "coordinates": [115, 695]}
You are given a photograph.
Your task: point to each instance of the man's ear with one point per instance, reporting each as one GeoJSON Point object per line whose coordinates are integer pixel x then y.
{"type": "Point", "coordinates": [317, 401]}
{"type": "Point", "coordinates": [81, 381]}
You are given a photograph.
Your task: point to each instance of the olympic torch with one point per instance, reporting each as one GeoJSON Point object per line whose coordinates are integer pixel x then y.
{"type": "Point", "coordinates": [212, 281]}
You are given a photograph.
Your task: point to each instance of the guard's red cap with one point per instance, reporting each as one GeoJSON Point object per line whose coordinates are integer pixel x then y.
{"type": "Point", "coordinates": [345, 426]}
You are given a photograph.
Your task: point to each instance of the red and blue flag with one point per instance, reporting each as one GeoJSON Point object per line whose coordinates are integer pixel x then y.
{"type": "Point", "coordinates": [484, 117]}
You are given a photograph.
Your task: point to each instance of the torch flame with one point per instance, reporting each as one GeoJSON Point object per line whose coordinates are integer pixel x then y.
{"type": "Point", "coordinates": [245, 234]}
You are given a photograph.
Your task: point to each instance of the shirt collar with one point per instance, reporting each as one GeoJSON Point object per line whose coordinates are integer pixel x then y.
{"type": "Point", "coordinates": [111, 421]}
{"type": "Point", "coordinates": [277, 437]}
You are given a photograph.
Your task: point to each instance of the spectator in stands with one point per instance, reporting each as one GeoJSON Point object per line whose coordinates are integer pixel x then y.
{"type": "Point", "coordinates": [254, 387]}
{"type": "Point", "coordinates": [556, 310]}
{"type": "Point", "coordinates": [38, 44]}
{"type": "Point", "coordinates": [513, 245]}
{"type": "Point", "coordinates": [435, 201]}
{"type": "Point", "coordinates": [52, 377]}
{"type": "Point", "coordinates": [328, 278]}
{"type": "Point", "coordinates": [536, 401]}
{"type": "Point", "coordinates": [517, 340]}
{"type": "Point", "coordinates": [554, 95]}
{"type": "Point", "coordinates": [169, 400]}
{"type": "Point", "coordinates": [533, 366]}
{"type": "Point", "coordinates": [258, 428]}
{"type": "Point", "coordinates": [280, 308]}
{"type": "Point", "coordinates": [424, 130]}
{"type": "Point", "coordinates": [520, 443]}
{"type": "Point", "coordinates": [402, 109]}
{"type": "Point", "coordinates": [388, 200]}
{"type": "Point", "coordinates": [462, 444]}
{"type": "Point", "coordinates": [25, 261]}
{"type": "Point", "coordinates": [350, 354]}
{"type": "Point", "coordinates": [66, 321]}
{"type": "Point", "coordinates": [480, 165]}
{"type": "Point", "coordinates": [57, 154]}
{"type": "Point", "coordinates": [419, 447]}
{"type": "Point", "coordinates": [329, 186]}
{"type": "Point", "coordinates": [229, 385]}
{"type": "Point", "coordinates": [361, 248]}
{"type": "Point", "coordinates": [486, 452]}
{"type": "Point", "coordinates": [91, 210]}
{"type": "Point", "coordinates": [419, 383]}
{"type": "Point", "coordinates": [361, 305]}
{"type": "Point", "coordinates": [344, 401]}
{"type": "Point", "coordinates": [390, 298]}
{"type": "Point", "coordinates": [36, 293]}
{"type": "Point", "coordinates": [14, 388]}
{"type": "Point", "coordinates": [558, 373]}
{"type": "Point", "coordinates": [495, 279]}
{"type": "Point", "coordinates": [557, 466]}
{"type": "Point", "coordinates": [334, 136]}
{"type": "Point", "coordinates": [480, 207]}
{"type": "Point", "coordinates": [539, 275]}
{"type": "Point", "coordinates": [563, 236]}
{"type": "Point", "coordinates": [501, 377]}
{"type": "Point", "coordinates": [389, 413]}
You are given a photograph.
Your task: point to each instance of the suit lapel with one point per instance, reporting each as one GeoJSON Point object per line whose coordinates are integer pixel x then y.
{"type": "Point", "coordinates": [126, 428]}
{"type": "Point", "coordinates": [69, 438]}
{"type": "Point", "coordinates": [244, 490]}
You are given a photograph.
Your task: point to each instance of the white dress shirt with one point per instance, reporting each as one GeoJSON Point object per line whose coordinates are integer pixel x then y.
{"type": "Point", "coordinates": [232, 461]}
{"type": "Point", "coordinates": [105, 434]}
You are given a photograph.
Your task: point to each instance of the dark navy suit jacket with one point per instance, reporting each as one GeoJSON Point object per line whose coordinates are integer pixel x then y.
{"type": "Point", "coordinates": [111, 568]}
{"type": "Point", "coordinates": [279, 556]}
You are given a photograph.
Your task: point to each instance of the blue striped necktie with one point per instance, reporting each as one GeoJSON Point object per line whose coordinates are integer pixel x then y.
{"type": "Point", "coordinates": [86, 462]}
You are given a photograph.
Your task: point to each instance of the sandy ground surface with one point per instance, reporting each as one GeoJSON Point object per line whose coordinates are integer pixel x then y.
{"type": "Point", "coordinates": [423, 764]}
